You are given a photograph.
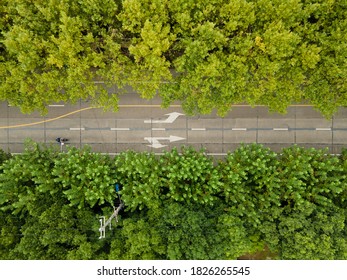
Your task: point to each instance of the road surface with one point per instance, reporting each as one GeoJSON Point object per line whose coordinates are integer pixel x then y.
{"type": "Point", "coordinates": [142, 125]}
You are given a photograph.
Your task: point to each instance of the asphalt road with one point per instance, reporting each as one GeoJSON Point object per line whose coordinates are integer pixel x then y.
{"type": "Point", "coordinates": [142, 125]}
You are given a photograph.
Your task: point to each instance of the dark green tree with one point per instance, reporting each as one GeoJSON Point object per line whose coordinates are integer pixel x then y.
{"type": "Point", "coordinates": [189, 177]}
{"type": "Point", "coordinates": [4, 156]}
{"type": "Point", "coordinates": [313, 191]}
{"type": "Point", "coordinates": [87, 178]}
{"type": "Point", "coordinates": [180, 205]}
{"type": "Point", "coordinates": [251, 189]}
{"type": "Point", "coordinates": [139, 176]}
{"type": "Point", "coordinates": [37, 220]}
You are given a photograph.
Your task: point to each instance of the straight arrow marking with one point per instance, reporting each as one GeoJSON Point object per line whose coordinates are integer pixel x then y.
{"type": "Point", "coordinates": [154, 141]}
{"type": "Point", "coordinates": [170, 119]}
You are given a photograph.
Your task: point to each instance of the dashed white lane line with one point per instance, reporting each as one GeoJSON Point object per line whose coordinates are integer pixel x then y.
{"type": "Point", "coordinates": [158, 128]}
{"type": "Point", "coordinates": [56, 105]}
{"type": "Point", "coordinates": [204, 129]}
{"type": "Point", "coordinates": [77, 128]}
{"type": "Point", "coordinates": [324, 128]}
{"type": "Point", "coordinates": [120, 128]}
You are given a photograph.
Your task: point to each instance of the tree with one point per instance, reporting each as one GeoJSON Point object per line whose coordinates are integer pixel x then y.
{"type": "Point", "coordinates": [189, 177]}
{"type": "Point", "coordinates": [313, 233]}
{"type": "Point", "coordinates": [206, 54]}
{"type": "Point", "coordinates": [312, 224]}
{"type": "Point", "coordinates": [86, 178]}
{"type": "Point", "coordinates": [50, 51]}
{"type": "Point", "coordinates": [259, 52]}
{"type": "Point", "coordinates": [139, 176]}
{"type": "Point", "coordinates": [251, 189]}
{"type": "Point", "coordinates": [4, 156]}
{"type": "Point", "coordinates": [37, 221]}
{"type": "Point", "coordinates": [179, 205]}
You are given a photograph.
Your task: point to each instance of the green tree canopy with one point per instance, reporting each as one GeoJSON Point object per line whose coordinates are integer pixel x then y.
{"type": "Point", "coordinates": [206, 54]}
{"type": "Point", "coordinates": [179, 205]}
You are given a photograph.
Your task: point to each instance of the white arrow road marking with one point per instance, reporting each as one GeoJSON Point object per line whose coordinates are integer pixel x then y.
{"type": "Point", "coordinates": [155, 141]}
{"type": "Point", "coordinates": [171, 118]}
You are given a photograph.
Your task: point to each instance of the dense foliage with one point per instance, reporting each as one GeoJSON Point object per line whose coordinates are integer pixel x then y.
{"type": "Point", "coordinates": [181, 205]}
{"type": "Point", "coordinates": [207, 53]}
